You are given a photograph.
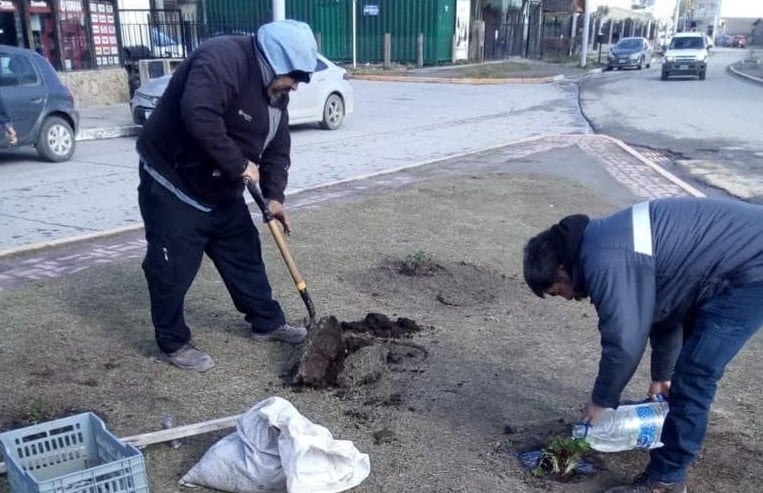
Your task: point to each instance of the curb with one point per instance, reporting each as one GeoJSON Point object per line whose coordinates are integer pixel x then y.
{"type": "Point", "coordinates": [101, 133]}
{"type": "Point", "coordinates": [739, 73]}
{"type": "Point", "coordinates": [137, 226]}
{"type": "Point", "coordinates": [457, 80]}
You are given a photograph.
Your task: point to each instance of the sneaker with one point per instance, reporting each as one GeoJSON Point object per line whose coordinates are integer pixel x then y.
{"type": "Point", "coordinates": [285, 333]}
{"type": "Point", "coordinates": [644, 484]}
{"type": "Point", "coordinates": [189, 357]}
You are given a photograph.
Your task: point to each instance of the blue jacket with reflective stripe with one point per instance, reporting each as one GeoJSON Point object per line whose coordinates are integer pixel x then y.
{"type": "Point", "coordinates": [699, 248]}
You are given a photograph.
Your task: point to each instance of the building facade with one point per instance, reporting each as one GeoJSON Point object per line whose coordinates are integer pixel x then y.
{"type": "Point", "coordinates": [71, 34]}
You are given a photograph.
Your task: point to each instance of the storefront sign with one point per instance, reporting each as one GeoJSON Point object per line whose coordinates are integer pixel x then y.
{"type": "Point", "coordinates": [7, 6]}
{"type": "Point", "coordinates": [39, 7]}
{"type": "Point", "coordinates": [104, 34]}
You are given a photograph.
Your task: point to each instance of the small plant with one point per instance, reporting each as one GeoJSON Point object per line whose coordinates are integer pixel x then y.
{"type": "Point", "coordinates": [561, 458]}
{"type": "Point", "coordinates": [418, 263]}
{"type": "Point", "coordinates": [36, 411]}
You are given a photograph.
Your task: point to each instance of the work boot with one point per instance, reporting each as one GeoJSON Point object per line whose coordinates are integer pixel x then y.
{"type": "Point", "coordinates": [285, 333]}
{"type": "Point", "coordinates": [644, 484]}
{"type": "Point", "coordinates": [189, 357]}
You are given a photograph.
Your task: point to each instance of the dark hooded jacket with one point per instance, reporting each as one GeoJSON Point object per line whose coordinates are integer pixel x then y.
{"type": "Point", "coordinates": [214, 115]}
{"type": "Point", "coordinates": [648, 268]}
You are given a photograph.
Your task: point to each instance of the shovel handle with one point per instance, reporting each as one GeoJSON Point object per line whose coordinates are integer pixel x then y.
{"type": "Point", "coordinates": [275, 230]}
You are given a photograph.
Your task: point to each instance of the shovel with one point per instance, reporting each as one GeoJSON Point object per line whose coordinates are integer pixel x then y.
{"type": "Point", "coordinates": [275, 230]}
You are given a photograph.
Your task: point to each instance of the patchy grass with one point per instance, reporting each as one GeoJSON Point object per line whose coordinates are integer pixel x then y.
{"type": "Point", "coordinates": [487, 71]}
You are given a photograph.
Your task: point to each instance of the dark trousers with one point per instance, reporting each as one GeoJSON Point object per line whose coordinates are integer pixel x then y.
{"type": "Point", "coordinates": [721, 328]}
{"type": "Point", "coordinates": [178, 235]}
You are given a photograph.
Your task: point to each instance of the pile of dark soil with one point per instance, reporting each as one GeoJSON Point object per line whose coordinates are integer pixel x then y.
{"type": "Point", "coordinates": [348, 354]}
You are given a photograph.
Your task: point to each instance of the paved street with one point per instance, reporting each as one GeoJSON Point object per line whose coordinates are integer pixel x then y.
{"type": "Point", "coordinates": [711, 129]}
{"type": "Point", "coordinates": [395, 125]}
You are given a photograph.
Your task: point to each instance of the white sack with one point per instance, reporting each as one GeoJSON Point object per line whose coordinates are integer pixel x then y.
{"type": "Point", "coordinates": [276, 449]}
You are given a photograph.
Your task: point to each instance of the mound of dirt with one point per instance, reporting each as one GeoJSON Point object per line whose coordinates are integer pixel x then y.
{"type": "Point", "coordinates": [457, 284]}
{"type": "Point", "coordinates": [350, 354]}
{"type": "Point", "coordinates": [380, 325]}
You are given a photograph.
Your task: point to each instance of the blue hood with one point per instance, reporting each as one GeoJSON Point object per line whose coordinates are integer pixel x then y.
{"type": "Point", "coordinates": [288, 46]}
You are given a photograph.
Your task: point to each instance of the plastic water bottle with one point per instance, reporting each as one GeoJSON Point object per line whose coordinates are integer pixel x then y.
{"type": "Point", "coordinates": [628, 427]}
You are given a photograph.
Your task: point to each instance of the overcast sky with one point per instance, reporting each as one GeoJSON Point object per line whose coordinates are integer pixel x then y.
{"type": "Point", "coordinates": [742, 8]}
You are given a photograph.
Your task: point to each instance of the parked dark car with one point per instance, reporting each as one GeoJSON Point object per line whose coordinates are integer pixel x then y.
{"type": "Point", "coordinates": [739, 41]}
{"type": "Point", "coordinates": [723, 40]}
{"type": "Point", "coordinates": [630, 52]}
{"type": "Point", "coordinates": [41, 108]}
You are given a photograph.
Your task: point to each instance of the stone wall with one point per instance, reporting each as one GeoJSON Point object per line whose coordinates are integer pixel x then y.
{"type": "Point", "coordinates": [97, 87]}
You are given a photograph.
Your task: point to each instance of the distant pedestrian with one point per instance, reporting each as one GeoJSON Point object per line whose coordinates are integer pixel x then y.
{"type": "Point", "coordinates": [222, 119]}
{"type": "Point", "coordinates": [686, 274]}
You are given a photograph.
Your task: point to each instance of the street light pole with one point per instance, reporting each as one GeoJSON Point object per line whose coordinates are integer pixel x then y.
{"type": "Point", "coordinates": [586, 28]}
{"type": "Point", "coordinates": [677, 14]}
{"type": "Point", "coordinates": [279, 10]}
{"type": "Point", "coordinates": [354, 34]}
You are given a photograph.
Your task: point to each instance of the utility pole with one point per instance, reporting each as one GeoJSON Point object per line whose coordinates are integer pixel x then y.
{"type": "Point", "coordinates": [586, 28]}
{"type": "Point", "coordinates": [279, 10]}
{"type": "Point", "coordinates": [677, 14]}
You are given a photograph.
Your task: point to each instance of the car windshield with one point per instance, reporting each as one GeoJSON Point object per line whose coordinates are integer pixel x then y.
{"type": "Point", "coordinates": [629, 44]}
{"type": "Point", "coordinates": [686, 44]}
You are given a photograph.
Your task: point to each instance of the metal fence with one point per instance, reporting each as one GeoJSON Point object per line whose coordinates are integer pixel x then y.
{"type": "Point", "coordinates": [519, 35]}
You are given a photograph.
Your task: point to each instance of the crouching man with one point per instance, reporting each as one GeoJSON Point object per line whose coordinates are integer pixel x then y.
{"type": "Point", "coordinates": [687, 274]}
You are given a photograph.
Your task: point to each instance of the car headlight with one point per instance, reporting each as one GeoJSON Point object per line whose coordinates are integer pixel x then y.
{"type": "Point", "coordinates": [670, 59]}
{"type": "Point", "coordinates": [152, 100]}
{"type": "Point", "coordinates": [635, 56]}
{"type": "Point", "coordinates": [701, 58]}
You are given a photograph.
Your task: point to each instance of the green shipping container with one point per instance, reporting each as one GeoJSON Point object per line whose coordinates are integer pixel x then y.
{"type": "Point", "coordinates": [332, 20]}
{"type": "Point", "coordinates": [404, 20]}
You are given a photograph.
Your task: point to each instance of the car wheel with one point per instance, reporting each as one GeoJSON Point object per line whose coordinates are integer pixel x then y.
{"type": "Point", "coordinates": [56, 141]}
{"type": "Point", "coordinates": [333, 112]}
{"type": "Point", "coordinates": [702, 75]}
{"type": "Point", "coordinates": [665, 75]}
{"type": "Point", "coordinates": [640, 65]}
{"type": "Point", "coordinates": [649, 63]}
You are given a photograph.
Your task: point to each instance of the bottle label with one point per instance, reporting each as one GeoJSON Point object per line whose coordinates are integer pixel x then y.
{"type": "Point", "coordinates": [648, 429]}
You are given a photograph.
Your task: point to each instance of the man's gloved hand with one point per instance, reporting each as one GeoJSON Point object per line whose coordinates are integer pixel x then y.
{"type": "Point", "coordinates": [251, 173]}
{"type": "Point", "coordinates": [279, 212]}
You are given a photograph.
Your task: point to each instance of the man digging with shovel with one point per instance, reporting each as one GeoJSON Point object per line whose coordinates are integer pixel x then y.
{"type": "Point", "coordinates": [685, 273]}
{"type": "Point", "coordinates": [222, 120]}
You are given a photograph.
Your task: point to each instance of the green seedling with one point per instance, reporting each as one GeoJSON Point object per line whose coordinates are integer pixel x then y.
{"type": "Point", "coordinates": [562, 457]}
{"type": "Point", "coordinates": [418, 263]}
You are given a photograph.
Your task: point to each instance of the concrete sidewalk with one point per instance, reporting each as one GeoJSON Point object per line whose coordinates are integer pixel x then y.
{"type": "Point", "coordinates": [106, 122]}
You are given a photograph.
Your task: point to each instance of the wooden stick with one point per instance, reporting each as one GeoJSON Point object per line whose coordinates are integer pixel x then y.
{"type": "Point", "coordinates": [154, 437]}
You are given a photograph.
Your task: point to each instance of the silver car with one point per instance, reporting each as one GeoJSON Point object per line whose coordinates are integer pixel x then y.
{"type": "Point", "coordinates": [326, 100]}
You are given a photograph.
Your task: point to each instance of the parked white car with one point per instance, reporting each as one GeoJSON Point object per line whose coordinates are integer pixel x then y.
{"type": "Point", "coordinates": [326, 100]}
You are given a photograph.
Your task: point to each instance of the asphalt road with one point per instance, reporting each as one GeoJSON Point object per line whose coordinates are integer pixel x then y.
{"type": "Point", "coordinates": [395, 125]}
{"type": "Point", "coordinates": [712, 129]}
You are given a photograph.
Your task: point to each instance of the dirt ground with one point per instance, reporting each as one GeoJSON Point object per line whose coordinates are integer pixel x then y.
{"type": "Point", "coordinates": [492, 370]}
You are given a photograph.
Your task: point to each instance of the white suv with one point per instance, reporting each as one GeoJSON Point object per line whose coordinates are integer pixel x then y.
{"type": "Point", "coordinates": [686, 55]}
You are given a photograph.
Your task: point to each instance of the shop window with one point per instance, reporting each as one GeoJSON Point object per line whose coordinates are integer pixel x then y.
{"type": "Point", "coordinates": [17, 70]}
{"type": "Point", "coordinates": [75, 41]}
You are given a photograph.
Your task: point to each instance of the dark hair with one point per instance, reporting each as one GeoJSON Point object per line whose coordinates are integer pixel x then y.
{"type": "Point", "coordinates": [541, 262]}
